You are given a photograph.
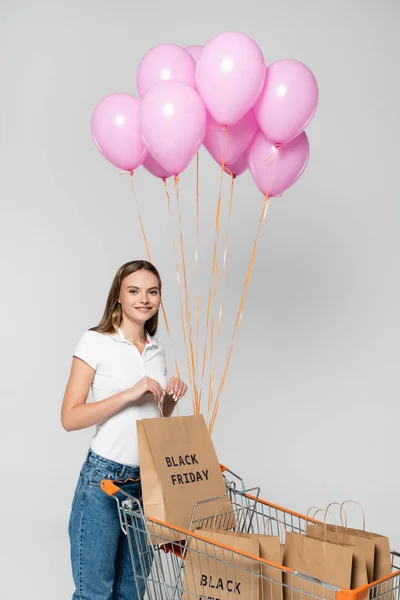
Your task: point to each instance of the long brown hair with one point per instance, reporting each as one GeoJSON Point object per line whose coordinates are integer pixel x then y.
{"type": "Point", "coordinates": [112, 316]}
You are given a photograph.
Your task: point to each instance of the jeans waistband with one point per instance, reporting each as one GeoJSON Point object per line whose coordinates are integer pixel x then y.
{"type": "Point", "coordinates": [117, 468]}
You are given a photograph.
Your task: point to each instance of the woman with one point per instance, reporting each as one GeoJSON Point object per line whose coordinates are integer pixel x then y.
{"type": "Point", "coordinates": [124, 366]}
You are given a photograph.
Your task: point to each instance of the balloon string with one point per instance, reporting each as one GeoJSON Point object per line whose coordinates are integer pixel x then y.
{"type": "Point", "coordinates": [203, 368]}
{"type": "Point", "coordinates": [197, 269]}
{"type": "Point", "coordinates": [188, 317]}
{"type": "Point", "coordinates": [226, 250]}
{"type": "Point", "coordinates": [216, 274]}
{"type": "Point", "coordinates": [178, 281]}
{"type": "Point", "coordinates": [140, 220]}
{"type": "Point", "coordinates": [241, 305]}
{"type": "Point", "coordinates": [214, 265]}
{"type": "Point", "coordinates": [212, 373]}
{"type": "Point", "coordinates": [149, 259]}
{"type": "Point", "coordinates": [240, 312]}
{"type": "Point", "coordinates": [222, 294]}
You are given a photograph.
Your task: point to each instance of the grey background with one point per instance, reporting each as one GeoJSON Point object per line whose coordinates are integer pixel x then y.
{"type": "Point", "coordinates": [310, 409]}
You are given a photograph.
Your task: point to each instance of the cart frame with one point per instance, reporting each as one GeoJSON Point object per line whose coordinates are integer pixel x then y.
{"type": "Point", "coordinates": [170, 558]}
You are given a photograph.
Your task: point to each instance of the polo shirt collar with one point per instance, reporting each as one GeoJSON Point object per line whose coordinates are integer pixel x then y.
{"type": "Point", "coordinates": [119, 336]}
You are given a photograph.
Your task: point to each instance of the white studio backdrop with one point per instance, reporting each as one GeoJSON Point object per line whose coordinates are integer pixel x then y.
{"type": "Point", "coordinates": [310, 409]}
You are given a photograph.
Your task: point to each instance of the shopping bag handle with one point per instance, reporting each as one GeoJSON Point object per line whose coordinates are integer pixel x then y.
{"type": "Point", "coordinates": [232, 512]}
{"type": "Point", "coordinates": [343, 512]}
{"type": "Point", "coordinates": [326, 511]}
{"type": "Point", "coordinates": [316, 509]}
{"type": "Point", "coordinates": [281, 528]}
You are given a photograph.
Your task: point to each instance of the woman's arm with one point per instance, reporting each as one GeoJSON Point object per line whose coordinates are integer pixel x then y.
{"type": "Point", "coordinates": [76, 414]}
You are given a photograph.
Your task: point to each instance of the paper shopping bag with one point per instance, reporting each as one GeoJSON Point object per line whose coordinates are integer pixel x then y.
{"type": "Point", "coordinates": [329, 563]}
{"type": "Point", "coordinates": [363, 551]}
{"type": "Point", "coordinates": [383, 559]}
{"type": "Point", "coordinates": [179, 467]}
{"type": "Point", "coordinates": [271, 577]}
{"type": "Point", "coordinates": [215, 573]}
{"type": "Point", "coordinates": [382, 562]}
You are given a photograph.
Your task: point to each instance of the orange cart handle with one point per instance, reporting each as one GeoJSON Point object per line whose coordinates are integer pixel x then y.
{"type": "Point", "coordinates": [109, 487]}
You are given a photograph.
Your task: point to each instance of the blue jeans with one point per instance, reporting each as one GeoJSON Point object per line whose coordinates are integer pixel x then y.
{"type": "Point", "coordinates": [101, 562]}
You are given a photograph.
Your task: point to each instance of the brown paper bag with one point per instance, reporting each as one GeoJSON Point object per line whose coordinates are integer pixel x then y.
{"type": "Point", "coordinates": [322, 560]}
{"type": "Point", "coordinates": [363, 551]}
{"type": "Point", "coordinates": [179, 467]}
{"type": "Point", "coordinates": [383, 558]}
{"type": "Point", "coordinates": [382, 562]}
{"type": "Point", "coordinates": [215, 573]}
{"type": "Point", "coordinates": [270, 549]}
{"type": "Point", "coordinates": [282, 553]}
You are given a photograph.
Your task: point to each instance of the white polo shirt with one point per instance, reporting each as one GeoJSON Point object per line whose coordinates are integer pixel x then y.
{"type": "Point", "coordinates": [119, 366]}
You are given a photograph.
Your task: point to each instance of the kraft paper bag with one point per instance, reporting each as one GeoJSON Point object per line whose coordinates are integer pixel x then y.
{"type": "Point", "coordinates": [383, 559]}
{"type": "Point", "coordinates": [179, 467]}
{"type": "Point", "coordinates": [271, 550]}
{"type": "Point", "coordinates": [363, 551]}
{"type": "Point", "coordinates": [322, 560]}
{"type": "Point", "coordinates": [215, 573]}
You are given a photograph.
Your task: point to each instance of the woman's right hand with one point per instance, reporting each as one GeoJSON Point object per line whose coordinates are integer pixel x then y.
{"type": "Point", "coordinates": [145, 386]}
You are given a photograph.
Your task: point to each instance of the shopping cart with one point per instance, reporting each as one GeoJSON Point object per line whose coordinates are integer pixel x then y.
{"type": "Point", "coordinates": [170, 563]}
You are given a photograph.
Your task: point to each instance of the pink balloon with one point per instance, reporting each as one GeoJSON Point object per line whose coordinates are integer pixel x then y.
{"type": "Point", "coordinates": [195, 52]}
{"type": "Point", "coordinates": [173, 124]}
{"type": "Point", "coordinates": [230, 76]}
{"type": "Point", "coordinates": [230, 142]}
{"type": "Point", "coordinates": [164, 62]}
{"type": "Point", "coordinates": [275, 169]}
{"type": "Point", "coordinates": [239, 166]}
{"type": "Point", "coordinates": [151, 165]}
{"type": "Point", "coordinates": [288, 101]}
{"type": "Point", "coordinates": [116, 131]}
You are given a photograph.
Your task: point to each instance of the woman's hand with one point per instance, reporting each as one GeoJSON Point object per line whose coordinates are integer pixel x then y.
{"type": "Point", "coordinates": [145, 386]}
{"type": "Point", "coordinates": [176, 388]}
{"type": "Point", "coordinates": [76, 414]}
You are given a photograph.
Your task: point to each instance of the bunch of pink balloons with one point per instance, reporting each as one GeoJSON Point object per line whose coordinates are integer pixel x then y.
{"type": "Point", "coordinates": [222, 95]}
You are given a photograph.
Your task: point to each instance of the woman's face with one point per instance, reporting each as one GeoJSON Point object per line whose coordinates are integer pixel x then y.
{"type": "Point", "coordinates": [140, 296]}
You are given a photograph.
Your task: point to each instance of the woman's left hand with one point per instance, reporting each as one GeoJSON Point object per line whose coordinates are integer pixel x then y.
{"type": "Point", "coordinates": [176, 388]}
